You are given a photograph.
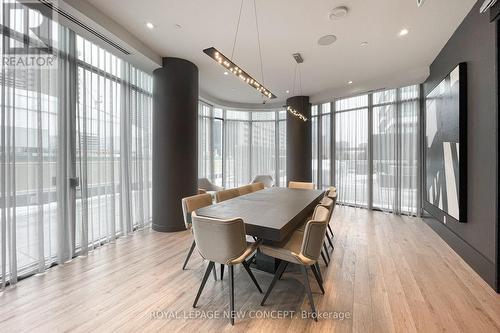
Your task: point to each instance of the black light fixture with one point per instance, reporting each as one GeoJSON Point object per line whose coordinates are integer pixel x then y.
{"type": "Point", "coordinates": [230, 66]}
{"type": "Point", "coordinates": [298, 60]}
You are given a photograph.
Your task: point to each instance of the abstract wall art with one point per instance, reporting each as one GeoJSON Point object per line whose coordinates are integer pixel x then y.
{"type": "Point", "coordinates": [445, 147]}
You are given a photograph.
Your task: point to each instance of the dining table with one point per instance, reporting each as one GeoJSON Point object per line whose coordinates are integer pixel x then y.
{"type": "Point", "coordinates": [270, 215]}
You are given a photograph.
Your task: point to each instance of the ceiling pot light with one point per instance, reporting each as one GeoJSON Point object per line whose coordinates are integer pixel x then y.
{"type": "Point", "coordinates": [288, 91]}
{"type": "Point", "coordinates": [226, 73]}
{"type": "Point", "coordinates": [150, 25]}
{"type": "Point", "coordinates": [364, 44]}
{"type": "Point", "coordinates": [327, 40]}
{"type": "Point", "coordinates": [350, 82]}
{"type": "Point", "coordinates": [177, 26]}
{"type": "Point", "coordinates": [338, 13]}
{"type": "Point", "coordinates": [404, 32]}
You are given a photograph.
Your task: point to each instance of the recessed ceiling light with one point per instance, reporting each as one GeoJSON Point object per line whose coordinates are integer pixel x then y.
{"type": "Point", "coordinates": [350, 82]}
{"type": "Point", "coordinates": [150, 25]}
{"type": "Point", "coordinates": [327, 40]}
{"type": "Point", "coordinates": [338, 13]}
{"type": "Point", "coordinates": [177, 26]}
{"type": "Point", "coordinates": [364, 43]}
{"type": "Point", "coordinates": [288, 91]}
{"type": "Point", "coordinates": [226, 73]}
{"type": "Point", "coordinates": [404, 32]}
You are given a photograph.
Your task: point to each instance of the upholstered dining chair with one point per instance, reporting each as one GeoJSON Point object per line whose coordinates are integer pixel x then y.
{"type": "Point", "coordinates": [223, 242]}
{"type": "Point", "coordinates": [207, 185]}
{"type": "Point", "coordinates": [189, 205]}
{"type": "Point", "coordinates": [257, 186]}
{"type": "Point", "coordinates": [301, 185]}
{"type": "Point", "coordinates": [303, 249]}
{"type": "Point", "coordinates": [332, 194]}
{"type": "Point", "coordinates": [267, 180]}
{"type": "Point", "coordinates": [224, 195]}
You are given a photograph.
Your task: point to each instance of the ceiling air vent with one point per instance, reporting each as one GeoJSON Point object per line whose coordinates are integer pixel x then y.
{"type": "Point", "coordinates": [94, 32]}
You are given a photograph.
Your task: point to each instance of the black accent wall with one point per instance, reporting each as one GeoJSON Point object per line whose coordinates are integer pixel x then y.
{"type": "Point", "coordinates": [298, 141]}
{"type": "Point", "coordinates": [175, 141]}
{"type": "Point", "coordinates": [475, 42]}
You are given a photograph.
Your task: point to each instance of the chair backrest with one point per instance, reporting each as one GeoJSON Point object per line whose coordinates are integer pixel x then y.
{"type": "Point", "coordinates": [219, 241]}
{"type": "Point", "coordinates": [314, 234]}
{"type": "Point", "coordinates": [226, 194]}
{"type": "Point", "coordinates": [207, 185]}
{"type": "Point", "coordinates": [301, 185]}
{"type": "Point", "coordinates": [257, 186]}
{"type": "Point", "coordinates": [245, 189]}
{"type": "Point", "coordinates": [192, 203]}
{"type": "Point", "coordinates": [267, 180]}
{"type": "Point", "coordinates": [332, 195]}
{"type": "Point", "coordinates": [329, 204]}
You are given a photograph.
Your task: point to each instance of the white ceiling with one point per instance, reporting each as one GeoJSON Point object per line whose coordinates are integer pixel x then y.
{"type": "Point", "coordinates": [289, 26]}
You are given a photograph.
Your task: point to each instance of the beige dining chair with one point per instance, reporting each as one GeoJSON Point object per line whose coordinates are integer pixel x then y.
{"type": "Point", "coordinates": [207, 185]}
{"type": "Point", "coordinates": [332, 194]}
{"type": "Point", "coordinates": [246, 189]}
{"type": "Point", "coordinates": [189, 205]}
{"type": "Point", "coordinates": [224, 195]}
{"type": "Point", "coordinates": [257, 186]}
{"type": "Point", "coordinates": [301, 185]}
{"type": "Point", "coordinates": [223, 242]}
{"type": "Point", "coordinates": [267, 180]}
{"type": "Point", "coordinates": [303, 249]}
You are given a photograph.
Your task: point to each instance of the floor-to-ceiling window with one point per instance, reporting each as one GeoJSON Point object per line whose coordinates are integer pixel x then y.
{"type": "Point", "coordinates": [325, 144]}
{"type": "Point", "coordinates": [240, 145]}
{"type": "Point", "coordinates": [237, 154]}
{"type": "Point", "coordinates": [375, 146]}
{"type": "Point", "coordinates": [75, 147]}
{"type": "Point", "coordinates": [315, 143]}
{"type": "Point", "coordinates": [264, 158]}
{"type": "Point", "coordinates": [351, 149]}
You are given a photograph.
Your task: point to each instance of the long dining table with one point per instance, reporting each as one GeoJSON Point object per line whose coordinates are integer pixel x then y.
{"type": "Point", "coordinates": [270, 215]}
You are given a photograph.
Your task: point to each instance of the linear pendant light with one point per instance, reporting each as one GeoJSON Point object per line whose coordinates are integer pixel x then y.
{"type": "Point", "coordinates": [229, 65]}
{"type": "Point", "coordinates": [224, 61]}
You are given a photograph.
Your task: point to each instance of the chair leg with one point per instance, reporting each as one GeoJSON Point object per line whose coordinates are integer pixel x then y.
{"type": "Point", "coordinates": [308, 290]}
{"type": "Point", "coordinates": [326, 251]}
{"type": "Point", "coordinates": [318, 279]}
{"type": "Point", "coordinates": [330, 229]}
{"type": "Point", "coordinates": [247, 268]}
{"type": "Point", "coordinates": [278, 273]}
{"type": "Point", "coordinates": [221, 271]}
{"type": "Point", "coordinates": [189, 255]}
{"type": "Point", "coordinates": [231, 293]}
{"type": "Point", "coordinates": [324, 258]}
{"type": "Point", "coordinates": [215, 273]}
{"type": "Point", "coordinates": [319, 271]}
{"type": "Point", "coordinates": [210, 266]}
{"type": "Point", "coordinates": [329, 240]}
{"type": "Point", "coordinates": [284, 269]}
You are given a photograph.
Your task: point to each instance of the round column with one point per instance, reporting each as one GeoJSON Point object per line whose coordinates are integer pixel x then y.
{"type": "Point", "coordinates": [175, 141]}
{"type": "Point", "coordinates": [298, 141]}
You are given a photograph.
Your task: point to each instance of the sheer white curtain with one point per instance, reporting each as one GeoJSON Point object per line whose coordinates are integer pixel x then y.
{"type": "Point", "coordinates": [113, 136]}
{"type": "Point", "coordinates": [281, 175]}
{"type": "Point", "coordinates": [263, 144]}
{"type": "Point", "coordinates": [388, 125]}
{"type": "Point", "coordinates": [351, 149]}
{"type": "Point", "coordinates": [88, 118]}
{"type": "Point", "coordinates": [204, 141]}
{"type": "Point", "coordinates": [237, 148]}
{"type": "Point", "coordinates": [315, 144]}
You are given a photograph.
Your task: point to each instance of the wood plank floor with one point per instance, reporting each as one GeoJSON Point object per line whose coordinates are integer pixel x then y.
{"type": "Point", "coordinates": [387, 274]}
